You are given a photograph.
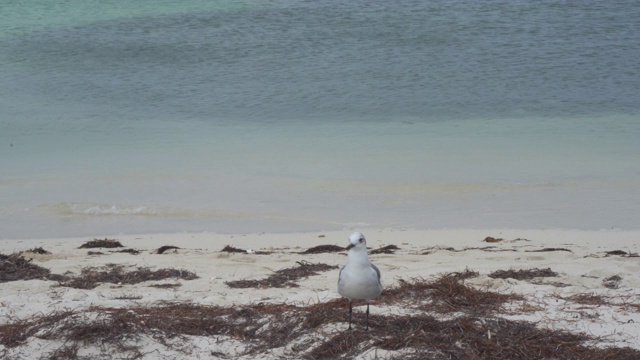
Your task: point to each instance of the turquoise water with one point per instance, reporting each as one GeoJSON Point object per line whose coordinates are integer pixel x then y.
{"type": "Point", "coordinates": [131, 117]}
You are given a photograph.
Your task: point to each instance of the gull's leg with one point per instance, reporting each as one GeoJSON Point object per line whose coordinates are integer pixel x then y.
{"type": "Point", "coordinates": [367, 315]}
{"type": "Point", "coordinates": [350, 312]}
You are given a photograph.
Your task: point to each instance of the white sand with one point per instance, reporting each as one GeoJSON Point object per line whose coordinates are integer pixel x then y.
{"type": "Point", "coordinates": [581, 270]}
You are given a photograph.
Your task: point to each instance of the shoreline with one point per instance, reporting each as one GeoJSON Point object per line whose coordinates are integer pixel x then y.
{"type": "Point", "coordinates": [391, 231]}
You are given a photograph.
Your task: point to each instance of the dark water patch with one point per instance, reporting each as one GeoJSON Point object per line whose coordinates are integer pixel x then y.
{"type": "Point", "coordinates": [372, 60]}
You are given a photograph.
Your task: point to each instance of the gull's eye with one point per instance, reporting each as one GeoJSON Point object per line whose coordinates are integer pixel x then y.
{"type": "Point", "coordinates": [361, 239]}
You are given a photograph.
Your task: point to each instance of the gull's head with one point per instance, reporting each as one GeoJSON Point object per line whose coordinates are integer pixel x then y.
{"type": "Point", "coordinates": [357, 242]}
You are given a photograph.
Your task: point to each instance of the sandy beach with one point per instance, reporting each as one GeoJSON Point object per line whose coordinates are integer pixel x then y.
{"type": "Point", "coordinates": [582, 282]}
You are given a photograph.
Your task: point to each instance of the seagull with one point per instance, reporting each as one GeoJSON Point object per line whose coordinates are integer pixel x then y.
{"type": "Point", "coordinates": [359, 279]}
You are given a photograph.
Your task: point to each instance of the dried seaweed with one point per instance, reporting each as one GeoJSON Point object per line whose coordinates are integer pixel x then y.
{"type": "Point", "coordinates": [163, 249]}
{"type": "Point", "coordinates": [616, 252]}
{"type": "Point", "coordinates": [19, 331]}
{"type": "Point", "coordinates": [283, 277]}
{"type": "Point", "coordinates": [448, 294]}
{"type": "Point", "coordinates": [231, 249]}
{"type": "Point", "coordinates": [466, 274]}
{"type": "Point", "coordinates": [588, 299]}
{"type": "Point", "coordinates": [15, 267]}
{"type": "Point", "coordinates": [347, 345]}
{"type": "Point", "coordinates": [549, 250]}
{"type": "Point", "coordinates": [621, 253]}
{"type": "Point", "coordinates": [38, 250]}
{"type": "Point", "coordinates": [104, 243]}
{"type": "Point", "coordinates": [490, 239]}
{"type": "Point", "coordinates": [491, 249]}
{"type": "Point", "coordinates": [539, 281]}
{"type": "Point", "coordinates": [320, 249]}
{"type": "Point", "coordinates": [475, 334]}
{"type": "Point", "coordinates": [260, 252]}
{"type": "Point", "coordinates": [128, 297]}
{"type": "Point", "coordinates": [65, 352]}
{"type": "Point", "coordinates": [612, 282]}
{"type": "Point", "coordinates": [484, 248]}
{"type": "Point", "coordinates": [522, 274]}
{"type": "Point", "coordinates": [437, 248]}
{"type": "Point", "coordinates": [166, 286]}
{"type": "Point", "coordinates": [128, 251]}
{"type": "Point", "coordinates": [91, 277]}
{"type": "Point", "coordinates": [389, 249]}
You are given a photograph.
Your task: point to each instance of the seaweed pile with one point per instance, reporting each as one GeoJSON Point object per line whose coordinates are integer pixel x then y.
{"type": "Point", "coordinates": [316, 331]}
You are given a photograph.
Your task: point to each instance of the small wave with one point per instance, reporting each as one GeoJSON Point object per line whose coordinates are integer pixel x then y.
{"type": "Point", "coordinates": [66, 209]}
{"type": "Point", "coordinates": [118, 210]}
{"type": "Point", "coordinates": [83, 209]}
{"type": "Point", "coordinates": [70, 209]}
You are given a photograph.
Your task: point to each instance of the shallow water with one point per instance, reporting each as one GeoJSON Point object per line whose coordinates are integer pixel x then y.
{"type": "Point", "coordinates": [125, 117]}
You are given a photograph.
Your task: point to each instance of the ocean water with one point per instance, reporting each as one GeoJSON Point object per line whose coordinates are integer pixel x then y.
{"type": "Point", "coordinates": [277, 116]}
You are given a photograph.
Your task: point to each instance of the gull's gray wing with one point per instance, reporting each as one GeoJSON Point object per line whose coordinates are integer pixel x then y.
{"type": "Point", "coordinates": [377, 272]}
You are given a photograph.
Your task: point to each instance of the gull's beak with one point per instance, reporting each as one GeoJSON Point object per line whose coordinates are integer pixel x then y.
{"type": "Point", "coordinates": [350, 246]}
